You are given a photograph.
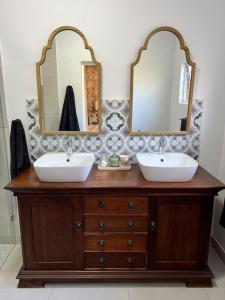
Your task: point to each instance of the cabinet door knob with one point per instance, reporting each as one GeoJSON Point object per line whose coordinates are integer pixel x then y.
{"type": "Point", "coordinates": [101, 225]}
{"type": "Point", "coordinates": [101, 243]}
{"type": "Point", "coordinates": [152, 225]}
{"type": "Point", "coordinates": [101, 204]}
{"type": "Point", "coordinates": [78, 225]}
{"type": "Point", "coordinates": [101, 260]}
{"type": "Point", "coordinates": [130, 243]}
{"type": "Point", "coordinates": [130, 224]}
{"type": "Point", "coordinates": [130, 205]}
{"type": "Point", "coordinates": [130, 260]}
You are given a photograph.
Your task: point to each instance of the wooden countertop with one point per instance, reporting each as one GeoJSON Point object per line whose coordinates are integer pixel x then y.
{"type": "Point", "coordinates": [114, 181]}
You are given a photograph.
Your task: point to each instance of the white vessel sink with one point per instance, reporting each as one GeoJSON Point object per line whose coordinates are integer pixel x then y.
{"type": "Point", "coordinates": [167, 167]}
{"type": "Point", "coordinates": [56, 167]}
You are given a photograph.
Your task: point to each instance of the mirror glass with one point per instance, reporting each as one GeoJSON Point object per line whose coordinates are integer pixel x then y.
{"type": "Point", "coordinates": [69, 85]}
{"type": "Point", "coordinates": [161, 86]}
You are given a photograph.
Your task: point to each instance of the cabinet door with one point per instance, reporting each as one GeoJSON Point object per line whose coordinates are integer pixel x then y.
{"type": "Point", "coordinates": [51, 235]}
{"type": "Point", "coordinates": [179, 232]}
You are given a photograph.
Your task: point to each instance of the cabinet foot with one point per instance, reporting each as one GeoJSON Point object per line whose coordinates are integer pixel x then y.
{"type": "Point", "coordinates": [24, 283]}
{"type": "Point", "coordinates": [199, 282]}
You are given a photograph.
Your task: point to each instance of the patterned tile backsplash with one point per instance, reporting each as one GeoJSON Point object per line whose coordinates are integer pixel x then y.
{"type": "Point", "coordinates": [114, 135]}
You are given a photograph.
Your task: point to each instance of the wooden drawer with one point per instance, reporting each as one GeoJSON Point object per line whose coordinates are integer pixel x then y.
{"type": "Point", "coordinates": [116, 224]}
{"type": "Point", "coordinates": [109, 242]}
{"type": "Point", "coordinates": [118, 205]}
{"type": "Point", "coordinates": [110, 260]}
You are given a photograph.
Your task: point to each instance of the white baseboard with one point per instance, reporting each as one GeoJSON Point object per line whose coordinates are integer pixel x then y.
{"type": "Point", "coordinates": [218, 248]}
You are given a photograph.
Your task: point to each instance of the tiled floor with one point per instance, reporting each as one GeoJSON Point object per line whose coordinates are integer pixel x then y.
{"type": "Point", "coordinates": [5, 250]}
{"type": "Point", "coordinates": [131, 291]}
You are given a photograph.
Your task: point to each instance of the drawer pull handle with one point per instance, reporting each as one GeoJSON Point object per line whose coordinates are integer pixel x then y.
{"type": "Point", "coordinates": [101, 225]}
{"type": "Point", "coordinates": [130, 224]}
{"type": "Point", "coordinates": [101, 243]}
{"type": "Point", "coordinates": [130, 243]}
{"type": "Point", "coordinates": [101, 204]}
{"type": "Point", "coordinates": [130, 205]}
{"type": "Point", "coordinates": [152, 225]}
{"type": "Point", "coordinates": [78, 225]}
{"type": "Point", "coordinates": [101, 260]}
{"type": "Point", "coordinates": [130, 260]}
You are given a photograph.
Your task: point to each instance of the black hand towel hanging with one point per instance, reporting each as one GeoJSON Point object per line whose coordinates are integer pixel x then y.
{"type": "Point", "coordinates": [222, 219]}
{"type": "Point", "coordinates": [183, 124]}
{"type": "Point", "coordinates": [69, 121]}
{"type": "Point", "coordinates": [18, 148]}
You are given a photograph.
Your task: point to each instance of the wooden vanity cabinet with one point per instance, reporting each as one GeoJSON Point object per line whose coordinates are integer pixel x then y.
{"type": "Point", "coordinates": [115, 227]}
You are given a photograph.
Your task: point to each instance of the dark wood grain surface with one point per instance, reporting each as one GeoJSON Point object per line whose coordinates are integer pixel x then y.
{"type": "Point", "coordinates": [118, 180]}
{"type": "Point", "coordinates": [123, 260]}
{"type": "Point", "coordinates": [115, 242]}
{"type": "Point", "coordinates": [115, 205]}
{"type": "Point", "coordinates": [116, 223]}
{"type": "Point", "coordinates": [180, 239]}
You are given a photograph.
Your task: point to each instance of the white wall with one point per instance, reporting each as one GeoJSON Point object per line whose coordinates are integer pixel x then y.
{"type": "Point", "coordinates": [7, 234]}
{"type": "Point", "coordinates": [218, 231]}
{"type": "Point", "coordinates": [116, 29]}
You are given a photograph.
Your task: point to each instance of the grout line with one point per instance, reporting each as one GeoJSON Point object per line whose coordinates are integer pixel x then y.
{"type": "Point", "coordinates": [128, 288]}
{"type": "Point", "coordinates": [50, 293]}
{"type": "Point", "coordinates": [207, 295]}
{"type": "Point", "coordinates": [4, 261]}
{"type": "Point", "coordinates": [1, 264]}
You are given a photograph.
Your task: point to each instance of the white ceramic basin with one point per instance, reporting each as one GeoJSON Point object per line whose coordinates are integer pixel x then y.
{"type": "Point", "coordinates": [167, 167]}
{"type": "Point", "coordinates": [55, 167]}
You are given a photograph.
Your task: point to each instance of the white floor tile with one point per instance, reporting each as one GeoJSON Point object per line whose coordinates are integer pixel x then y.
{"type": "Point", "coordinates": [216, 293]}
{"type": "Point", "coordinates": [24, 294]}
{"type": "Point", "coordinates": [157, 284]}
{"type": "Point", "coordinates": [148, 293]}
{"type": "Point", "coordinates": [100, 293]}
{"type": "Point", "coordinates": [86, 285]}
{"type": "Point", "coordinates": [8, 279]}
{"type": "Point", "coordinates": [214, 261]}
{"type": "Point", "coordinates": [219, 279]}
{"type": "Point", "coordinates": [14, 260]}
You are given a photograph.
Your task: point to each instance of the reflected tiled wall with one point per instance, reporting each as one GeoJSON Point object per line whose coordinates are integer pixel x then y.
{"type": "Point", "coordinates": [114, 136]}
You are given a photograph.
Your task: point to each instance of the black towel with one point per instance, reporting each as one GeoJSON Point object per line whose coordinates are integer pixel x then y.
{"type": "Point", "coordinates": [69, 121]}
{"type": "Point", "coordinates": [18, 148]}
{"type": "Point", "coordinates": [222, 219]}
{"type": "Point", "coordinates": [183, 124]}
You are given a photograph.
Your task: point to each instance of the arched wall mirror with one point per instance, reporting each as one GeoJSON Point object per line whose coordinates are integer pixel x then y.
{"type": "Point", "coordinates": [162, 81]}
{"type": "Point", "coordinates": [69, 85]}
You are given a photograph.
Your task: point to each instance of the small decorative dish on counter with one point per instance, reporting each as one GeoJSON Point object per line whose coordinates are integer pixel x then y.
{"type": "Point", "coordinates": [114, 162]}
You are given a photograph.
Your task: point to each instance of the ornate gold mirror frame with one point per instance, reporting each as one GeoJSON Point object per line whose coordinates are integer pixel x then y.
{"type": "Point", "coordinates": [189, 61]}
{"type": "Point", "coordinates": [40, 99]}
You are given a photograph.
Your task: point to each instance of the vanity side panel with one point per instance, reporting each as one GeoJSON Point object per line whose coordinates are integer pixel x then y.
{"type": "Point", "coordinates": [50, 238]}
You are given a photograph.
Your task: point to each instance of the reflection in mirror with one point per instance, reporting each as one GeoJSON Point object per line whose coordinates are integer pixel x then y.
{"type": "Point", "coordinates": [69, 84]}
{"type": "Point", "coordinates": [162, 87]}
